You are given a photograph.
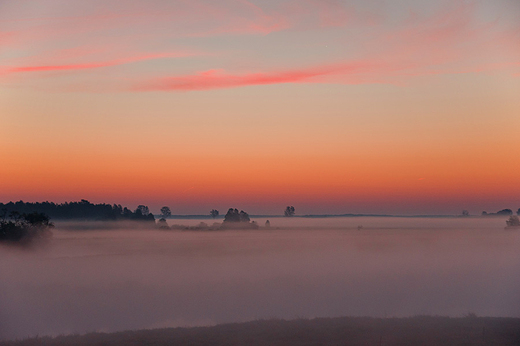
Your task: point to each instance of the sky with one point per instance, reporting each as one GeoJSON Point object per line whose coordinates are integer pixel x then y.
{"type": "Point", "coordinates": [375, 106]}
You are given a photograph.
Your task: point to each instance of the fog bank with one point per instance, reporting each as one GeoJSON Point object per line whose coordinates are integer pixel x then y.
{"type": "Point", "coordinates": [108, 280]}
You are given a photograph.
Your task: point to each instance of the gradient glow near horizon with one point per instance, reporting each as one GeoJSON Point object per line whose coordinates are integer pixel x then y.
{"type": "Point", "coordinates": [405, 107]}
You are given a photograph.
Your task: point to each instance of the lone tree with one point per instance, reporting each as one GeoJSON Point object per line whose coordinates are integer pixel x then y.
{"type": "Point", "coordinates": [166, 212]}
{"type": "Point", "coordinates": [214, 213]}
{"type": "Point", "coordinates": [518, 211]}
{"type": "Point", "coordinates": [465, 213]}
{"type": "Point", "coordinates": [289, 211]}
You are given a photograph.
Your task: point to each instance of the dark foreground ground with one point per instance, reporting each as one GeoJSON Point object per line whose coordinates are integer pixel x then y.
{"type": "Point", "coordinates": [321, 331]}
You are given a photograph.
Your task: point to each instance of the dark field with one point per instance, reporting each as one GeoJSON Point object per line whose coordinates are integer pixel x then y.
{"type": "Point", "coordinates": [320, 331]}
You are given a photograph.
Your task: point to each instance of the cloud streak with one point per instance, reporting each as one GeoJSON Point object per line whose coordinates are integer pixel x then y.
{"type": "Point", "coordinates": [449, 41]}
{"type": "Point", "coordinates": [66, 67]}
{"type": "Point", "coordinates": [219, 79]}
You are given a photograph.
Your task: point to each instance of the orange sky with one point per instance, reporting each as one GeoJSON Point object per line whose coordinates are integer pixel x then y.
{"type": "Point", "coordinates": [337, 107]}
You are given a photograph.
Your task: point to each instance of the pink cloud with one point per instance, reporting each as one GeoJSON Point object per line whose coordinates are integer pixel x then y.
{"type": "Point", "coordinates": [65, 67]}
{"type": "Point", "coordinates": [192, 18]}
{"type": "Point", "coordinates": [353, 73]}
{"type": "Point", "coordinates": [450, 41]}
{"type": "Point", "coordinates": [110, 29]}
{"type": "Point", "coordinates": [434, 40]}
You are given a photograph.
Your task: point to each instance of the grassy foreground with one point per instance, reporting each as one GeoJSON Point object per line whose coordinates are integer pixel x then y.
{"type": "Point", "coordinates": [421, 330]}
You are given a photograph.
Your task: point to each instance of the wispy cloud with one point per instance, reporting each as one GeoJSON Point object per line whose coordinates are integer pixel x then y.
{"type": "Point", "coordinates": [353, 72]}
{"type": "Point", "coordinates": [450, 40]}
{"type": "Point", "coordinates": [194, 18]}
{"type": "Point", "coordinates": [65, 67]}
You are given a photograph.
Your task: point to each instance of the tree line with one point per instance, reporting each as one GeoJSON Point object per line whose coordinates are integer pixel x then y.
{"type": "Point", "coordinates": [80, 210]}
{"type": "Point", "coordinates": [503, 212]}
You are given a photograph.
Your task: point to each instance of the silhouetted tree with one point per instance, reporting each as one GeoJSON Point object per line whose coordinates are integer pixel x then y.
{"type": "Point", "coordinates": [518, 211]}
{"type": "Point", "coordinates": [244, 217]}
{"type": "Point", "coordinates": [166, 212]}
{"type": "Point", "coordinates": [465, 213]}
{"type": "Point", "coordinates": [24, 227]}
{"type": "Point", "coordinates": [15, 215]}
{"type": "Point", "coordinates": [513, 221]}
{"type": "Point", "coordinates": [74, 210]}
{"type": "Point", "coordinates": [143, 209]}
{"type": "Point", "coordinates": [37, 219]}
{"type": "Point", "coordinates": [505, 212]}
{"type": "Point", "coordinates": [238, 220]}
{"type": "Point", "coordinates": [127, 213]}
{"type": "Point", "coordinates": [150, 218]}
{"type": "Point", "coordinates": [289, 211]}
{"type": "Point", "coordinates": [162, 224]}
{"type": "Point", "coordinates": [142, 213]}
{"type": "Point", "coordinates": [232, 215]}
{"type": "Point", "coordinates": [214, 213]}
{"type": "Point", "coordinates": [117, 212]}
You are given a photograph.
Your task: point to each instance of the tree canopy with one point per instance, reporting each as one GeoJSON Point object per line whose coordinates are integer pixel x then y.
{"type": "Point", "coordinates": [289, 211]}
{"type": "Point", "coordinates": [24, 228]}
{"type": "Point", "coordinates": [238, 219]}
{"type": "Point", "coordinates": [80, 210]}
{"type": "Point", "coordinates": [166, 212]}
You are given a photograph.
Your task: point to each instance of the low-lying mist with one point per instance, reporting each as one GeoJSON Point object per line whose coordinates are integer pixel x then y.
{"type": "Point", "coordinates": [89, 279]}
